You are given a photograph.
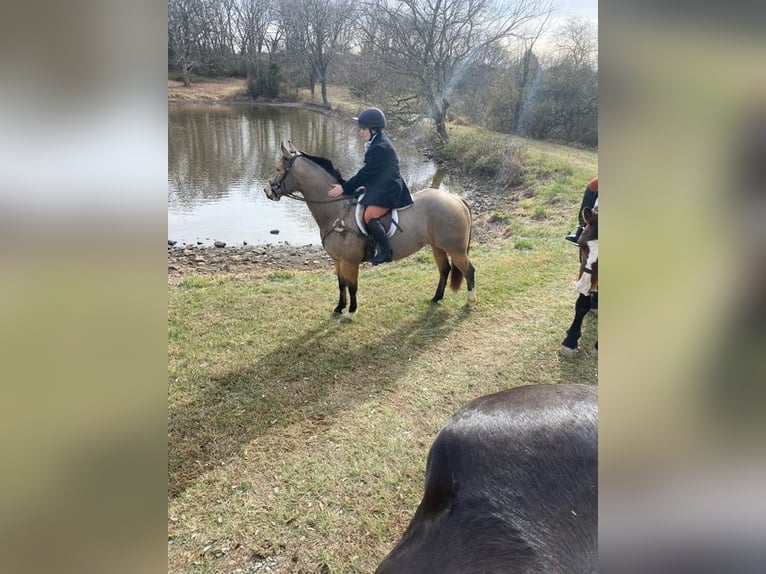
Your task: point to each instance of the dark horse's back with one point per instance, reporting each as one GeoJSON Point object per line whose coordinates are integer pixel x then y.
{"type": "Point", "coordinates": [511, 486]}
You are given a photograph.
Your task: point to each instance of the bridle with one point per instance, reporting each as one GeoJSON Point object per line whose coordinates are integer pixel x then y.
{"type": "Point", "coordinates": [278, 187]}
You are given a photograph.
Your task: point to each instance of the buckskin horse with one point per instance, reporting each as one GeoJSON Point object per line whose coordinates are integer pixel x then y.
{"type": "Point", "coordinates": [511, 485]}
{"type": "Point", "coordinates": [436, 218]}
{"type": "Point", "coordinates": [587, 282]}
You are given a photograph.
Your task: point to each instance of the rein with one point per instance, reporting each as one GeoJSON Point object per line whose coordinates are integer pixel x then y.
{"type": "Point", "coordinates": [292, 195]}
{"type": "Point", "coordinates": [337, 226]}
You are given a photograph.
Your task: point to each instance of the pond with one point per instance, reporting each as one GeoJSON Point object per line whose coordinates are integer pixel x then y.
{"type": "Point", "coordinates": [220, 158]}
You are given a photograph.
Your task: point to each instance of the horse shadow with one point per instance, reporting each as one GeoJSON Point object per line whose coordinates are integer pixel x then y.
{"type": "Point", "coordinates": [232, 410]}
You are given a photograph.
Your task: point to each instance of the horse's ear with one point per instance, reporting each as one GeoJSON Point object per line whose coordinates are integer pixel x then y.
{"type": "Point", "coordinates": [293, 149]}
{"type": "Point", "coordinates": [587, 213]}
{"type": "Point", "coordinates": [285, 151]}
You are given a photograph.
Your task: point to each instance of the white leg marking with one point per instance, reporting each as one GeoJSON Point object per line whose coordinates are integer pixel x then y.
{"type": "Point", "coordinates": [347, 318]}
{"type": "Point", "coordinates": [584, 282]}
{"type": "Point", "coordinates": [567, 352]}
{"type": "Point", "coordinates": [582, 285]}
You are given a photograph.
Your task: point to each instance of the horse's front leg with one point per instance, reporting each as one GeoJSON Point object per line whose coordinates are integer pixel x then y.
{"type": "Point", "coordinates": [341, 298]}
{"type": "Point", "coordinates": [338, 311]}
{"type": "Point", "coordinates": [569, 344]}
{"type": "Point", "coordinates": [348, 277]}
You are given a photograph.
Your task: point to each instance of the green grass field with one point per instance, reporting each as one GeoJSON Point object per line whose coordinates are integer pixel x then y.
{"type": "Point", "coordinates": [298, 443]}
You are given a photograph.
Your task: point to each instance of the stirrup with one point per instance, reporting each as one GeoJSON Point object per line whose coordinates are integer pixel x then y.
{"type": "Point", "coordinates": [574, 236]}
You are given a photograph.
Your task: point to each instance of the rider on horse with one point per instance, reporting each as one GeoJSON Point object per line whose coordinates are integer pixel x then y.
{"type": "Point", "coordinates": [385, 189]}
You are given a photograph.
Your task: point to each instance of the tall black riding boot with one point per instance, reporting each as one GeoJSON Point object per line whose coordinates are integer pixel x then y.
{"type": "Point", "coordinates": [383, 254]}
{"type": "Point", "coordinates": [575, 235]}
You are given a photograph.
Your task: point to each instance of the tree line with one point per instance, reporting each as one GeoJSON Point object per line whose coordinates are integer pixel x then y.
{"type": "Point", "coordinates": [488, 62]}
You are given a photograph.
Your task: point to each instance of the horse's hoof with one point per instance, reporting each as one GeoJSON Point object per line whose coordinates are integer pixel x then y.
{"type": "Point", "coordinates": [565, 351]}
{"type": "Point", "coordinates": [346, 318]}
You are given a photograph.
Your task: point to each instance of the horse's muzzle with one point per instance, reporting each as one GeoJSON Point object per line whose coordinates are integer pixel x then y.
{"type": "Point", "coordinates": [273, 191]}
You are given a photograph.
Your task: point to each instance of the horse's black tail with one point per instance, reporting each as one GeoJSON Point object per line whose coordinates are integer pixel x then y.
{"type": "Point", "coordinates": [455, 278]}
{"type": "Point", "coordinates": [470, 228]}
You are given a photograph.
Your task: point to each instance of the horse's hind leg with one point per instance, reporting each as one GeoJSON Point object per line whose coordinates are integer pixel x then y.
{"type": "Point", "coordinates": [569, 344]}
{"type": "Point", "coordinates": [442, 262]}
{"type": "Point", "coordinates": [461, 262]}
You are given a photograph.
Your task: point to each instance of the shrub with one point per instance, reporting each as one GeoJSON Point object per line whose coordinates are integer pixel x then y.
{"type": "Point", "coordinates": [263, 81]}
{"type": "Point", "coordinates": [483, 154]}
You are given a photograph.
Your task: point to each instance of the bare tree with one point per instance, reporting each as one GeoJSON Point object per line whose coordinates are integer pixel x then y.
{"type": "Point", "coordinates": [433, 42]}
{"type": "Point", "coordinates": [255, 26]}
{"type": "Point", "coordinates": [188, 22]}
{"type": "Point", "coordinates": [578, 41]}
{"type": "Point", "coordinates": [318, 29]}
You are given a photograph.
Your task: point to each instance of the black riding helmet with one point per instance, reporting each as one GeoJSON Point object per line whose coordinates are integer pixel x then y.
{"type": "Point", "coordinates": [371, 118]}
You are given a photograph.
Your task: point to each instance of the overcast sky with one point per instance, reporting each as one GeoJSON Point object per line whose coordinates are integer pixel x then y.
{"type": "Point", "coordinates": [563, 10]}
{"type": "Point", "coordinates": [579, 8]}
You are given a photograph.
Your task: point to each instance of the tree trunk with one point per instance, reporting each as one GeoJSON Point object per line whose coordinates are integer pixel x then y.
{"type": "Point", "coordinates": [185, 71]}
{"type": "Point", "coordinates": [323, 81]}
{"type": "Point", "coordinates": [439, 115]}
{"type": "Point", "coordinates": [312, 83]}
{"type": "Point", "coordinates": [325, 101]}
{"type": "Point", "coordinates": [441, 128]}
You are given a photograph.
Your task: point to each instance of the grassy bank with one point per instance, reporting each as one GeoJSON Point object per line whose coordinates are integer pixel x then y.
{"type": "Point", "coordinates": [298, 444]}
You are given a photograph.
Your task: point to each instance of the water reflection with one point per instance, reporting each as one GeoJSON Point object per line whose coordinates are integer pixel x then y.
{"type": "Point", "coordinates": [220, 159]}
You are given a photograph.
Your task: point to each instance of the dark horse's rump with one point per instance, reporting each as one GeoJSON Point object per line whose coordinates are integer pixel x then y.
{"type": "Point", "coordinates": [511, 486]}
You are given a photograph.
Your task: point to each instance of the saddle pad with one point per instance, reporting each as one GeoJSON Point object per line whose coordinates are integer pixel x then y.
{"type": "Point", "coordinates": [363, 228]}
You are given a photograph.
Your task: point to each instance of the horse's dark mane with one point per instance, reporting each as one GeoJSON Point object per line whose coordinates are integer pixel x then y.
{"type": "Point", "coordinates": [325, 164]}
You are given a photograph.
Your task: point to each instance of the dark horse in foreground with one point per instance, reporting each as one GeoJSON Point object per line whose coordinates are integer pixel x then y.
{"type": "Point", "coordinates": [439, 219]}
{"type": "Point", "coordinates": [511, 486]}
{"type": "Point", "coordinates": [587, 282]}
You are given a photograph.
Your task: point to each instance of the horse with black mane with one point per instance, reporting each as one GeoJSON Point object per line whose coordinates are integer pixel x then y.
{"type": "Point", "coordinates": [511, 486]}
{"type": "Point", "coordinates": [587, 282]}
{"type": "Point", "coordinates": [436, 218]}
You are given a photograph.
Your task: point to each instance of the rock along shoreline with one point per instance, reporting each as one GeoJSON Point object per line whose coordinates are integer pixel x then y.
{"type": "Point", "coordinates": [205, 260]}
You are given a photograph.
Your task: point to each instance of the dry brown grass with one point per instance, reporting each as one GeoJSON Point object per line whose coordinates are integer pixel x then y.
{"type": "Point", "coordinates": [220, 89]}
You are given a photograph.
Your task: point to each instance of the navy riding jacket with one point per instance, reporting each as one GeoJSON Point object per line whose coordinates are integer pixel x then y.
{"type": "Point", "coordinates": [380, 176]}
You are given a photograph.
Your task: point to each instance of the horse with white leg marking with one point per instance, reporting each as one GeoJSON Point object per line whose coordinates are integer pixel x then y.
{"type": "Point", "coordinates": [587, 282]}
{"type": "Point", "coordinates": [436, 218]}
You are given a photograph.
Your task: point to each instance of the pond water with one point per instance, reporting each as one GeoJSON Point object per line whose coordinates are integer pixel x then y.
{"type": "Point", "coordinates": [220, 159]}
